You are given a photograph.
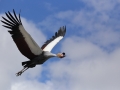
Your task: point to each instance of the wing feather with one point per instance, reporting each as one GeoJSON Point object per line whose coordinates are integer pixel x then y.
{"type": "Point", "coordinates": [8, 21]}
{"type": "Point", "coordinates": [16, 16]}
{"type": "Point", "coordinates": [49, 44]}
{"type": "Point", "coordinates": [26, 45]}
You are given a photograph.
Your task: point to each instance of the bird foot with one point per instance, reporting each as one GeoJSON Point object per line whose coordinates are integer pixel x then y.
{"type": "Point", "coordinates": [19, 73]}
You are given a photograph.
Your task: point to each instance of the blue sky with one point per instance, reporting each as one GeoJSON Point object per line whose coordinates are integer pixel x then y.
{"type": "Point", "coordinates": [40, 7]}
{"type": "Point", "coordinates": [92, 45]}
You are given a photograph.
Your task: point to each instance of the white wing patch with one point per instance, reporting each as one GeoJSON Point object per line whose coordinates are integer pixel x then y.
{"type": "Point", "coordinates": [50, 46]}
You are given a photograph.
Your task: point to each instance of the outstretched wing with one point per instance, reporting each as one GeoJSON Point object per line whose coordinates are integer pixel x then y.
{"type": "Point", "coordinates": [49, 44]}
{"type": "Point", "coordinates": [26, 45]}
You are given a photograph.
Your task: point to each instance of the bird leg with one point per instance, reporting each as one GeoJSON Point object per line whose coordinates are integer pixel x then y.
{"type": "Point", "coordinates": [20, 72]}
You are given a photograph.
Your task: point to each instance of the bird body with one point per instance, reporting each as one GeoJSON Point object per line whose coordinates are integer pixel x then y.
{"type": "Point", "coordinates": [40, 59]}
{"type": "Point", "coordinates": [27, 46]}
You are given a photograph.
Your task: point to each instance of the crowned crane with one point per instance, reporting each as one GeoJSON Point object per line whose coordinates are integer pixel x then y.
{"type": "Point", "coordinates": [27, 46]}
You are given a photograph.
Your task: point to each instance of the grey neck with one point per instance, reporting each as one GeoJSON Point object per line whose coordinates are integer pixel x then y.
{"type": "Point", "coordinates": [49, 54]}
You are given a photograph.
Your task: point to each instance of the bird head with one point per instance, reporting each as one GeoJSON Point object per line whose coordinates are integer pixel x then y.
{"type": "Point", "coordinates": [61, 55]}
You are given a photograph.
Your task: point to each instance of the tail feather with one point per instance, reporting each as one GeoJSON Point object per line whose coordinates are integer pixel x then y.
{"type": "Point", "coordinates": [26, 62]}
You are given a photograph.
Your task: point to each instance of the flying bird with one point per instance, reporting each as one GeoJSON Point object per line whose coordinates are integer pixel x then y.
{"type": "Point", "coordinates": [27, 46]}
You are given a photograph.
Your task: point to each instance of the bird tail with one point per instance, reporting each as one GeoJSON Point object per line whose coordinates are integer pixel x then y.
{"type": "Point", "coordinates": [28, 64]}
{"type": "Point", "coordinates": [25, 63]}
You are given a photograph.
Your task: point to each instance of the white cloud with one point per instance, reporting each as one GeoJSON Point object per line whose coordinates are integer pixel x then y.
{"type": "Point", "coordinates": [49, 6]}
{"type": "Point", "coordinates": [98, 25]}
{"type": "Point", "coordinates": [11, 58]}
{"type": "Point", "coordinates": [32, 85]}
{"type": "Point", "coordinates": [87, 65]}
{"type": "Point", "coordinates": [101, 5]}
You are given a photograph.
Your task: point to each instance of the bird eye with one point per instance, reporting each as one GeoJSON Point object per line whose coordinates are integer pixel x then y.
{"type": "Point", "coordinates": [63, 53]}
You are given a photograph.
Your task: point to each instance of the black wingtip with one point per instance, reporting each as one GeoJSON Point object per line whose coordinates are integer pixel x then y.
{"type": "Point", "coordinates": [13, 10]}
{"type": "Point", "coordinates": [19, 17]}
{"type": "Point", "coordinates": [6, 13]}
{"type": "Point", "coordinates": [7, 26]}
{"type": "Point", "coordinates": [20, 11]}
{"type": "Point", "coordinates": [16, 16]}
{"type": "Point", "coordinates": [12, 20]}
{"type": "Point", "coordinates": [63, 29]}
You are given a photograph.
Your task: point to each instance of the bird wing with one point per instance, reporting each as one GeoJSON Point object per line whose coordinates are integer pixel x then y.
{"type": "Point", "coordinates": [26, 45]}
{"type": "Point", "coordinates": [49, 44]}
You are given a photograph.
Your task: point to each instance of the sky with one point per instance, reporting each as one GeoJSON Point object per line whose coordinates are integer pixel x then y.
{"type": "Point", "coordinates": [91, 44]}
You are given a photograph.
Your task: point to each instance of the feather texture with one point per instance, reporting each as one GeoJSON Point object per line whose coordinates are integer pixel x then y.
{"type": "Point", "coordinates": [49, 44]}
{"type": "Point", "coordinates": [26, 45]}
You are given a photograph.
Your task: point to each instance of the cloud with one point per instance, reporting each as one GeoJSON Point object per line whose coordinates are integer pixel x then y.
{"type": "Point", "coordinates": [92, 48]}
{"type": "Point", "coordinates": [49, 6]}
{"type": "Point", "coordinates": [101, 5]}
{"type": "Point", "coordinates": [32, 85]}
{"type": "Point", "coordinates": [93, 22]}
{"type": "Point", "coordinates": [91, 45]}
{"type": "Point", "coordinates": [86, 66]}
{"type": "Point", "coordinates": [11, 58]}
